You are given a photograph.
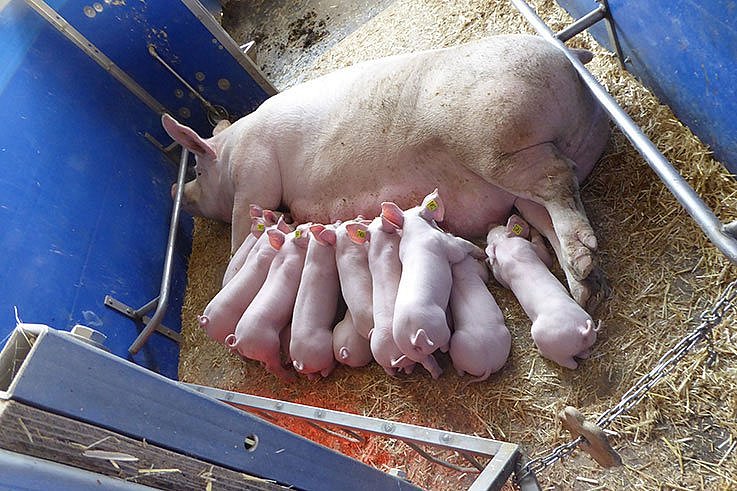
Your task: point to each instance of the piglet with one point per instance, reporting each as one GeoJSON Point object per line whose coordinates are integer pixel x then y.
{"type": "Point", "coordinates": [561, 329]}
{"type": "Point", "coordinates": [224, 310]}
{"type": "Point", "coordinates": [481, 342]}
{"type": "Point", "coordinates": [239, 258]}
{"type": "Point", "coordinates": [349, 347]}
{"type": "Point", "coordinates": [257, 333]}
{"type": "Point", "coordinates": [355, 278]}
{"type": "Point", "coordinates": [426, 252]}
{"type": "Point", "coordinates": [311, 345]}
{"type": "Point", "coordinates": [386, 269]}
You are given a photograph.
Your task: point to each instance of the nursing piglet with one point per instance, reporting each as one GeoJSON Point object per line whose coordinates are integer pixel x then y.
{"type": "Point", "coordinates": [561, 329]}
{"type": "Point", "coordinates": [480, 342]}
{"type": "Point", "coordinates": [355, 278]}
{"type": "Point", "coordinates": [311, 345]}
{"type": "Point", "coordinates": [386, 269]}
{"type": "Point", "coordinates": [349, 347]}
{"type": "Point", "coordinates": [426, 252]}
{"type": "Point", "coordinates": [239, 258]}
{"type": "Point", "coordinates": [257, 333]}
{"type": "Point", "coordinates": [222, 313]}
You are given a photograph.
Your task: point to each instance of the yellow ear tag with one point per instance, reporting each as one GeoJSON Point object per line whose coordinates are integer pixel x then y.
{"type": "Point", "coordinates": [260, 227]}
{"type": "Point", "coordinates": [432, 205]}
{"type": "Point", "coordinates": [517, 229]}
{"type": "Point", "coordinates": [361, 234]}
{"type": "Point", "coordinates": [297, 234]}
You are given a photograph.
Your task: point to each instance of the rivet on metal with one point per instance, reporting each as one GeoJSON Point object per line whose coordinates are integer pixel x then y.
{"type": "Point", "coordinates": [445, 438]}
{"type": "Point", "coordinates": [319, 413]}
{"type": "Point", "coordinates": [89, 11]}
{"type": "Point", "coordinates": [184, 112]}
{"type": "Point", "coordinates": [97, 6]}
{"type": "Point", "coordinates": [224, 84]}
{"type": "Point", "coordinates": [179, 93]}
{"type": "Point", "coordinates": [199, 76]}
{"type": "Point", "coordinates": [388, 427]}
{"type": "Point", "coordinates": [279, 405]}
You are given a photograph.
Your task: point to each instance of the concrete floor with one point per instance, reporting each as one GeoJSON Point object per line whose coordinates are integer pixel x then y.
{"type": "Point", "coordinates": [291, 34]}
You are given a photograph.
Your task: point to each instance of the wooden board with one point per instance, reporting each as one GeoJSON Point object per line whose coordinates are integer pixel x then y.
{"type": "Point", "coordinates": [31, 431]}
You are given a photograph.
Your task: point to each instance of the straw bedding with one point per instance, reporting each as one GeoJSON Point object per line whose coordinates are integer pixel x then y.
{"type": "Point", "coordinates": [662, 270]}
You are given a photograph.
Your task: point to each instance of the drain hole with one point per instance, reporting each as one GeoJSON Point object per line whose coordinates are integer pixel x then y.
{"type": "Point", "coordinates": [250, 443]}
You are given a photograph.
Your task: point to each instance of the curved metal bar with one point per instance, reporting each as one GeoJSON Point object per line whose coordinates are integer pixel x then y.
{"type": "Point", "coordinates": [676, 184]}
{"type": "Point", "coordinates": [163, 302]}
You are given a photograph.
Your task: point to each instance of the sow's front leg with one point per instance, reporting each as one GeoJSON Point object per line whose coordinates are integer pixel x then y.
{"type": "Point", "coordinates": [542, 174]}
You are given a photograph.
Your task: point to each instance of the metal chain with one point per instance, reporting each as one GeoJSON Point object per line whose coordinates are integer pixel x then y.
{"type": "Point", "coordinates": [710, 318]}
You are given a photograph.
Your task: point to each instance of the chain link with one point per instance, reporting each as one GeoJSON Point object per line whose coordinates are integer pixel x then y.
{"type": "Point", "coordinates": [710, 318]}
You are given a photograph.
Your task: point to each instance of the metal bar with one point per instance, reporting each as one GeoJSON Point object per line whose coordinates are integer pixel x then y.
{"type": "Point", "coordinates": [136, 316]}
{"type": "Point", "coordinates": [683, 192]}
{"type": "Point", "coordinates": [611, 30]}
{"type": "Point", "coordinates": [497, 471]}
{"type": "Point", "coordinates": [163, 303]}
{"type": "Point", "coordinates": [582, 24]}
{"type": "Point", "coordinates": [63, 26]}
{"type": "Point", "coordinates": [19, 471]}
{"type": "Point", "coordinates": [394, 429]}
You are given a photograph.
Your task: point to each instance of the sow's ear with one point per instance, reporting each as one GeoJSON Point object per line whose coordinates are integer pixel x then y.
{"type": "Point", "coordinates": [186, 137]}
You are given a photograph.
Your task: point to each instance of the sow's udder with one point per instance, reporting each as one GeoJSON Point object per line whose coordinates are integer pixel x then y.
{"type": "Point", "coordinates": [475, 205]}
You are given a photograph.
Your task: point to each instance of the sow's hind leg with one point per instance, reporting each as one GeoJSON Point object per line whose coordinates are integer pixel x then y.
{"type": "Point", "coordinates": [542, 174]}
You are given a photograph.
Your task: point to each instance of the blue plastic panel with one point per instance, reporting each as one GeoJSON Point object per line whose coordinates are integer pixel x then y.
{"type": "Point", "coordinates": [84, 197]}
{"type": "Point", "coordinates": [124, 30]}
{"type": "Point", "coordinates": [686, 52]}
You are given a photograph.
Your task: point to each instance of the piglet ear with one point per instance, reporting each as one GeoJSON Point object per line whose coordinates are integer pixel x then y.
{"type": "Point", "coordinates": [282, 225]}
{"type": "Point", "coordinates": [517, 227]}
{"type": "Point", "coordinates": [392, 212]}
{"type": "Point", "coordinates": [357, 232]}
{"type": "Point", "coordinates": [432, 207]}
{"type": "Point", "coordinates": [301, 237]}
{"type": "Point", "coordinates": [188, 138]}
{"type": "Point", "coordinates": [270, 217]}
{"type": "Point", "coordinates": [328, 236]}
{"type": "Point", "coordinates": [387, 226]}
{"type": "Point", "coordinates": [255, 210]}
{"type": "Point", "coordinates": [276, 238]}
{"type": "Point", "coordinates": [258, 226]}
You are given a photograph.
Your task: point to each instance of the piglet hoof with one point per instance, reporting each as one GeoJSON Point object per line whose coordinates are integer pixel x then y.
{"type": "Point", "coordinates": [203, 320]}
{"type": "Point", "coordinates": [392, 372]}
{"type": "Point", "coordinates": [344, 354]}
{"type": "Point", "coordinates": [313, 376]}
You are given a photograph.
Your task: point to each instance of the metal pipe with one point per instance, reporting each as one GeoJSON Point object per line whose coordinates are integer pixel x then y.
{"type": "Point", "coordinates": [582, 24]}
{"type": "Point", "coordinates": [677, 185]}
{"type": "Point", "coordinates": [166, 276]}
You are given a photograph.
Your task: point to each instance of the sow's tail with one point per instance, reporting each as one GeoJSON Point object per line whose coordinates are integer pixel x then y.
{"type": "Point", "coordinates": [583, 55]}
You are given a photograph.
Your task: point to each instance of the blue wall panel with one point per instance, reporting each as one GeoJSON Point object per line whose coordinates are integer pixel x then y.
{"type": "Point", "coordinates": [84, 198]}
{"type": "Point", "coordinates": [686, 52]}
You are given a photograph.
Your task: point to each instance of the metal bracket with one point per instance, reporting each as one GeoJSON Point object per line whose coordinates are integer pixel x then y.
{"type": "Point", "coordinates": [503, 455]}
{"type": "Point", "coordinates": [139, 316]}
{"type": "Point", "coordinates": [600, 13]}
{"type": "Point", "coordinates": [162, 301]}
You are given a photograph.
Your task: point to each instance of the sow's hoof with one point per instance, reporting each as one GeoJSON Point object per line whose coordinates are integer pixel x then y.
{"type": "Point", "coordinates": [592, 291]}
